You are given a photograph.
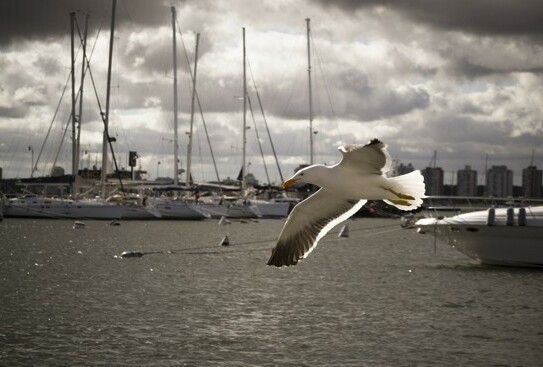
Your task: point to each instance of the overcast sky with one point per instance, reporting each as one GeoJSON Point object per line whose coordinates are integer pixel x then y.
{"type": "Point", "coordinates": [463, 78]}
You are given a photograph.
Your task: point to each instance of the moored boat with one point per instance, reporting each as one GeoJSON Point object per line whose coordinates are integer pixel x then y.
{"type": "Point", "coordinates": [271, 208]}
{"type": "Point", "coordinates": [44, 207]}
{"type": "Point", "coordinates": [497, 236]}
{"type": "Point", "coordinates": [178, 209]}
{"type": "Point", "coordinates": [229, 207]}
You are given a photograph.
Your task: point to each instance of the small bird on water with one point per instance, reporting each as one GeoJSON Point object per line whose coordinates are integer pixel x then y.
{"type": "Point", "coordinates": [344, 189]}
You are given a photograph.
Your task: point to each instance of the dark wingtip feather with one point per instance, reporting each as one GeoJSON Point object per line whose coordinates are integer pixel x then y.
{"type": "Point", "coordinates": [283, 257]}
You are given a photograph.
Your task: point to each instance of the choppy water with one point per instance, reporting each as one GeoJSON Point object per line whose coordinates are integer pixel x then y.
{"type": "Point", "coordinates": [379, 298]}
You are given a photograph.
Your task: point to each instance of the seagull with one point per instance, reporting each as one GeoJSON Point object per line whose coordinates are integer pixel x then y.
{"type": "Point", "coordinates": [344, 189]}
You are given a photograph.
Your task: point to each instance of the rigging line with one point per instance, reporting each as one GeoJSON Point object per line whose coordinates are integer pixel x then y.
{"type": "Point", "coordinates": [265, 122]}
{"type": "Point", "coordinates": [70, 116]}
{"type": "Point", "coordinates": [258, 140]}
{"type": "Point", "coordinates": [208, 141]}
{"type": "Point", "coordinates": [326, 88]}
{"type": "Point", "coordinates": [67, 125]}
{"type": "Point", "coordinates": [53, 120]}
{"type": "Point", "coordinates": [201, 113]}
{"type": "Point", "coordinates": [62, 140]}
{"type": "Point", "coordinates": [35, 168]}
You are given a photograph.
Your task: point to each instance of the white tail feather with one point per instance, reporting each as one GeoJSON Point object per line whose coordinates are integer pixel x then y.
{"type": "Point", "coordinates": [411, 184]}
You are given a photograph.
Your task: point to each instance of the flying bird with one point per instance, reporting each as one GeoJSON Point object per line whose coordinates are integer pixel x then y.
{"type": "Point", "coordinates": [344, 189]}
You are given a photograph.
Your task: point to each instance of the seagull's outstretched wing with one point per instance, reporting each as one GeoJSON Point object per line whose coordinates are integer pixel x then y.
{"type": "Point", "coordinates": [308, 222]}
{"type": "Point", "coordinates": [372, 158]}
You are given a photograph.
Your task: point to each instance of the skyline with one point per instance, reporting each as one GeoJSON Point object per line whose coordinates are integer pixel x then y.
{"type": "Point", "coordinates": [462, 79]}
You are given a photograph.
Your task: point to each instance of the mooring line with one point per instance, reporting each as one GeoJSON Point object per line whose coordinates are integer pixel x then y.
{"type": "Point", "coordinates": [223, 249]}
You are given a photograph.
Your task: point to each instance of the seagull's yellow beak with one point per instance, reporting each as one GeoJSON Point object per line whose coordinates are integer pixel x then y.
{"type": "Point", "coordinates": [289, 183]}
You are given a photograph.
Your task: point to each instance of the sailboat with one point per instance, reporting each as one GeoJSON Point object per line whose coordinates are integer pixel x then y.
{"type": "Point", "coordinates": [45, 207]}
{"type": "Point", "coordinates": [175, 207]}
{"type": "Point", "coordinates": [278, 206]}
{"type": "Point", "coordinates": [220, 205]}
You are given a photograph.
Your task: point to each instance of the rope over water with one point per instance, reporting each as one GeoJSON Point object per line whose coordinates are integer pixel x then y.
{"type": "Point", "coordinates": [225, 249]}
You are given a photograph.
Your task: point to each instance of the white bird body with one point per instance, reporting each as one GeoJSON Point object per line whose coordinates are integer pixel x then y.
{"type": "Point", "coordinates": [345, 188]}
{"type": "Point", "coordinates": [369, 187]}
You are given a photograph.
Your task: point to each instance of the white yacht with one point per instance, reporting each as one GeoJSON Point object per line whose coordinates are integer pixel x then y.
{"type": "Point", "coordinates": [134, 207]}
{"type": "Point", "coordinates": [229, 207]}
{"type": "Point", "coordinates": [497, 236]}
{"type": "Point", "coordinates": [44, 207]}
{"type": "Point", "coordinates": [178, 209]}
{"type": "Point", "coordinates": [271, 208]}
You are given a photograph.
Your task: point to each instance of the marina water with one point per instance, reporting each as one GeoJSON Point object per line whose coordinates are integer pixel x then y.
{"type": "Point", "coordinates": [382, 297]}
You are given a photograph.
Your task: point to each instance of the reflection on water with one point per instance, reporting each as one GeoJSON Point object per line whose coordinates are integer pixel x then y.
{"type": "Point", "coordinates": [379, 298]}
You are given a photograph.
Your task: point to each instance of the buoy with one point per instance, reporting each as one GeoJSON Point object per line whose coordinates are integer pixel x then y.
{"type": "Point", "coordinates": [126, 254]}
{"type": "Point", "coordinates": [115, 222]}
{"type": "Point", "coordinates": [225, 241]}
{"type": "Point", "coordinates": [344, 231]}
{"type": "Point", "coordinates": [79, 225]}
{"type": "Point", "coordinates": [223, 221]}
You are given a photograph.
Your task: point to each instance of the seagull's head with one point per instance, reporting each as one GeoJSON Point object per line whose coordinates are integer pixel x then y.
{"type": "Point", "coordinates": [308, 175]}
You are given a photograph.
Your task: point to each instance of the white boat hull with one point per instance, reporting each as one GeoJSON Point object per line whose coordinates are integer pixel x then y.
{"type": "Point", "coordinates": [493, 242]}
{"type": "Point", "coordinates": [173, 209]}
{"type": "Point", "coordinates": [495, 245]}
{"type": "Point", "coordinates": [59, 208]}
{"type": "Point", "coordinates": [231, 210]}
{"type": "Point", "coordinates": [140, 212]}
{"type": "Point", "coordinates": [272, 209]}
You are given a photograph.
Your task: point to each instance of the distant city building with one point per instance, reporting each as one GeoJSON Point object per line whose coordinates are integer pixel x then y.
{"type": "Point", "coordinates": [499, 181]}
{"type": "Point", "coordinates": [531, 182]}
{"type": "Point", "coordinates": [433, 179]}
{"type": "Point", "coordinates": [466, 181]}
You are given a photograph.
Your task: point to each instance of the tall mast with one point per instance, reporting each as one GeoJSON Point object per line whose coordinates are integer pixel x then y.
{"type": "Point", "coordinates": [244, 120]}
{"type": "Point", "coordinates": [189, 148]}
{"type": "Point", "coordinates": [80, 115]}
{"type": "Point", "coordinates": [310, 93]}
{"type": "Point", "coordinates": [74, 119]}
{"type": "Point", "coordinates": [105, 140]}
{"type": "Point", "coordinates": [175, 135]}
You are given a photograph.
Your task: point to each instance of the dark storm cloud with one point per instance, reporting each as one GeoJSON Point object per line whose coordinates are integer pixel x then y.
{"type": "Point", "coordinates": [485, 17]}
{"type": "Point", "coordinates": [31, 19]}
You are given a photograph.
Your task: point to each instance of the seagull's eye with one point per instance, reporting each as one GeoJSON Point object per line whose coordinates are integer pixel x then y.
{"type": "Point", "coordinates": [301, 174]}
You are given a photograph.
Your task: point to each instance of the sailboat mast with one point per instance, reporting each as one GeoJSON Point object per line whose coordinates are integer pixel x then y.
{"type": "Point", "coordinates": [310, 92]}
{"type": "Point", "coordinates": [244, 120]}
{"type": "Point", "coordinates": [175, 123]}
{"type": "Point", "coordinates": [189, 148]}
{"type": "Point", "coordinates": [105, 140]}
{"type": "Point", "coordinates": [74, 119]}
{"type": "Point", "coordinates": [80, 119]}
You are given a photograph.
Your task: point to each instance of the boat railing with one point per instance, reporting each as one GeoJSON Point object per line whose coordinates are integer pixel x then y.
{"type": "Point", "coordinates": [473, 203]}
